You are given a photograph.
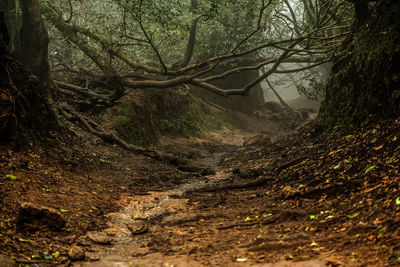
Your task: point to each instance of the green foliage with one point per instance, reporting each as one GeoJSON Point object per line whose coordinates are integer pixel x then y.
{"type": "Point", "coordinates": [311, 85]}
{"type": "Point", "coordinates": [221, 26]}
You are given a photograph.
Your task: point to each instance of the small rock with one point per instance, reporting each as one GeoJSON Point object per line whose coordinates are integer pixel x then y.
{"type": "Point", "coordinates": [99, 238]}
{"type": "Point", "coordinates": [333, 261]}
{"type": "Point", "coordinates": [7, 262]}
{"type": "Point", "coordinates": [76, 253]}
{"type": "Point", "coordinates": [92, 256]}
{"type": "Point", "coordinates": [34, 217]}
{"type": "Point", "coordinates": [138, 227]}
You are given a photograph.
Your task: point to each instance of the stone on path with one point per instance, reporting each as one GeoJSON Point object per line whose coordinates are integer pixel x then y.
{"type": "Point", "coordinates": [34, 217]}
{"type": "Point", "coordinates": [99, 238]}
{"type": "Point", "coordinates": [138, 227]}
{"type": "Point", "coordinates": [76, 253]}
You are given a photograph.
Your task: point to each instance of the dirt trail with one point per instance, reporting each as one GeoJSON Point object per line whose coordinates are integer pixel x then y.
{"type": "Point", "coordinates": [192, 224]}
{"type": "Point", "coordinates": [280, 204]}
{"type": "Point", "coordinates": [310, 199]}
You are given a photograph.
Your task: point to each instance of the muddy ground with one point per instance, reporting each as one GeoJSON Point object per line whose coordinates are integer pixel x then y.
{"type": "Point", "coordinates": [307, 199]}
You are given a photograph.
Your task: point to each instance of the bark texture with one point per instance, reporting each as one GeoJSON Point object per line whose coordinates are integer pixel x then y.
{"type": "Point", "coordinates": [34, 40]}
{"type": "Point", "coordinates": [24, 110]}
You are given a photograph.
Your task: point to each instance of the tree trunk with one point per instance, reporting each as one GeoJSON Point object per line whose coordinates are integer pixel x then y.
{"type": "Point", "coordinates": [25, 110]}
{"type": "Point", "coordinates": [34, 40]}
{"type": "Point", "coordinates": [362, 12]}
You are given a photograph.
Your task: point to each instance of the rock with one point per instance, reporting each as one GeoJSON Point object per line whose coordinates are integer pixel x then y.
{"type": "Point", "coordinates": [333, 261]}
{"type": "Point", "coordinates": [34, 217]}
{"type": "Point", "coordinates": [92, 256]}
{"type": "Point", "coordinates": [7, 262]}
{"type": "Point", "coordinates": [138, 227]}
{"type": "Point", "coordinates": [76, 253]}
{"type": "Point", "coordinates": [99, 238]}
{"type": "Point", "coordinates": [258, 140]}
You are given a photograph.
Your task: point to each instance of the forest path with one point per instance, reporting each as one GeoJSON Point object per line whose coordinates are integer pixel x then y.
{"type": "Point", "coordinates": [220, 219]}
{"type": "Point", "coordinates": [307, 199]}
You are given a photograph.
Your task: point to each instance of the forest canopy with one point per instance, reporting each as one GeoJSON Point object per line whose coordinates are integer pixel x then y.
{"type": "Point", "coordinates": [159, 44]}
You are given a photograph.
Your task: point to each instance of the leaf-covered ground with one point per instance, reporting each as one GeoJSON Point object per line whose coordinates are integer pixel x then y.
{"type": "Point", "coordinates": [308, 199]}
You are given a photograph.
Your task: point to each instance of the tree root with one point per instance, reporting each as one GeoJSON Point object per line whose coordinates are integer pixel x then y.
{"type": "Point", "coordinates": [81, 91]}
{"type": "Point", "coordinates": [71, 115]}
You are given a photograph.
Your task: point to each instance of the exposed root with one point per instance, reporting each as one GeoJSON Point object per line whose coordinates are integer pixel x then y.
{"type": "Point", "coordinates": [71, 115]}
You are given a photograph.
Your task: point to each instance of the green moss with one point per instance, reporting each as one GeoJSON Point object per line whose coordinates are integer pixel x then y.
{"type": "Point", "coordinates": [143, 117]}
{"type": "Point", "coordinates": [362, 88]}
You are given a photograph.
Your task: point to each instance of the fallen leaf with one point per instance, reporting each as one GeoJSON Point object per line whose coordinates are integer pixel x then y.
{"type": "Point", "coordinates": [337, 166]}
{"type": "Point", "coordinates": [247, 219]}
{"type": "Point", "coordinates": [352, 216]}
{"type": "Point", "coordinates": [56, 254]}
{"type": "Point", "coordinates": [11, 177]}
{"type": "Point", "coordinates": [369, 168]}
{"type": "Point", "coordinates": [378, 148]}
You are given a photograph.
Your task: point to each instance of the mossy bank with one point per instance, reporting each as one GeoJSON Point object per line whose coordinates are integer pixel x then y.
{"type": "Point", "coordinates": [365, 81]}
{"type": "Point", "coordinates": [142, 116]}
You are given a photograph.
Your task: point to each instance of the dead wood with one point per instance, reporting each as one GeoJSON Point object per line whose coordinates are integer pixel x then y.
{"type": "Point", "coordinates": [81, 91]}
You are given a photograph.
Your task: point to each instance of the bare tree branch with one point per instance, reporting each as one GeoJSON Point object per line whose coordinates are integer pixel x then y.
{"type": "Point", "coordinates": [165, 70]}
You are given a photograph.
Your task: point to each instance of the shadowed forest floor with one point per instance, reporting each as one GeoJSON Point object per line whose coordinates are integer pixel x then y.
{"type": "Point", "coordinates": [308, 199]}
